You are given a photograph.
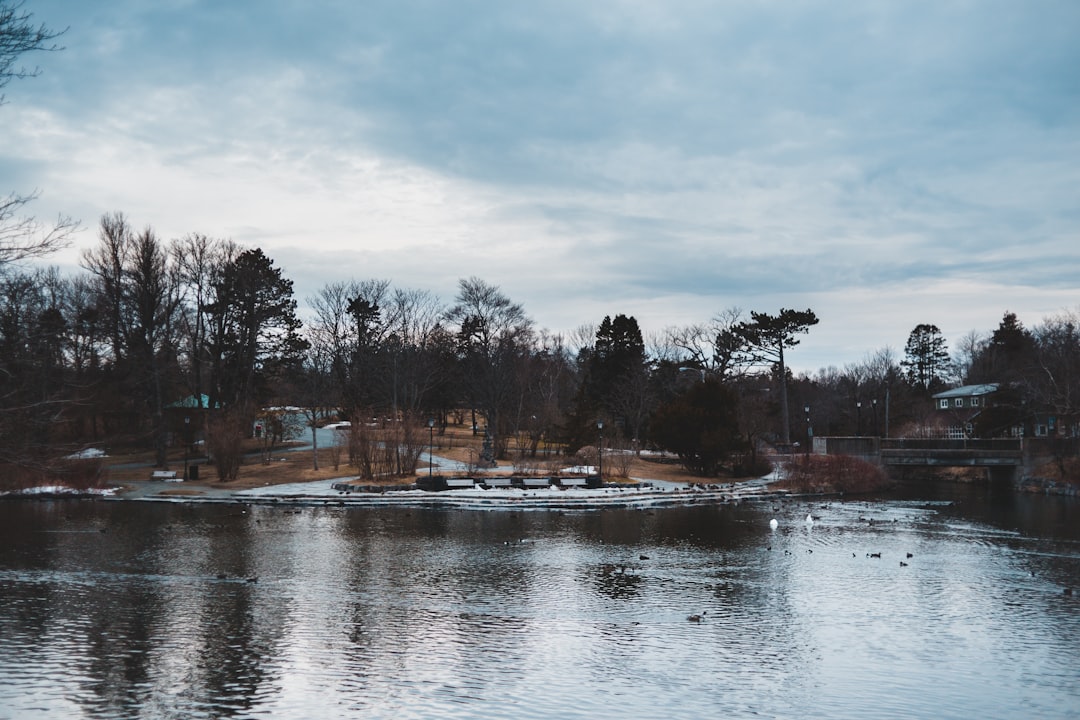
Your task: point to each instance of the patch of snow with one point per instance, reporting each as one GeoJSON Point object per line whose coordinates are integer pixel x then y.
{"type": "Point", "coordinates": [87, 454]}
{"type": "Point", "coordinates": [62, 490]}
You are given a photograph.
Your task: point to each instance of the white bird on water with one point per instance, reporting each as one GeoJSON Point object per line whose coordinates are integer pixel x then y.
{"type": "Point", "coordinates": [773, 524]}
{"type": "Point", "coordinates": [809, 519]}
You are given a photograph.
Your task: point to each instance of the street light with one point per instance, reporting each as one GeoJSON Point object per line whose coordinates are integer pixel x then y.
{"type": "Point", "coordinates": [600, 451]}
{"type": "Point", "coordinates": [809, 429]}
{"type": "Point", "coordinates": [430, 445]}
{"type": "Point", "coordinates": [858, 418]}
{"type": "Point", "coordinates": [873, 404]}
{"type": "Point", "coordinates": [187, 421]}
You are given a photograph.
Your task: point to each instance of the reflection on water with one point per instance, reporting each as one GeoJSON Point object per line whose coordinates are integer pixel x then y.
{"type": "Point", "coordinates": [123, 610]}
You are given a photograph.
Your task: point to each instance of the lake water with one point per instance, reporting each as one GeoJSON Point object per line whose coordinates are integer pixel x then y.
{"type": "Point", "coordinates": [146, 610]}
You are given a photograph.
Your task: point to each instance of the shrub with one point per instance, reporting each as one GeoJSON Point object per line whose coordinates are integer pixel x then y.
{"type": "Point", "coordinates": [832, 473]}
{"type": "Point", "coordinates": [80, 474]}
{"type": "Point", "coordinates": [389, 448]}
{"type": "Point", "coordinates": [618, 461]}
{"type": "Point", "coordinates": [225, 440]}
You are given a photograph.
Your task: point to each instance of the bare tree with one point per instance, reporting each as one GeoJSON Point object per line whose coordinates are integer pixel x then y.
{"type": "Point", "coordinates": [18, 36]}
{"type": "Point", "coordinates": [22, 236]}
{"type": "Point", "coordinates": [314, 388]}
{"type": "Point", "coordinates": [137, 287]}
{"type": "Point", "coordinates": [494, 335]}
{"type": "Point", "coordinates": [200, 261]}
{"type": "Point", "coordinates": [967, 352]}
{"type": "Point", "coordinates": [713, 346]}
{"type": "Point", "coordinates": [415, 332]}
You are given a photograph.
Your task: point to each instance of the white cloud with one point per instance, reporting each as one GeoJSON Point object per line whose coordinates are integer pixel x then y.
{"type": "Point", "coordinates": [886, 164]}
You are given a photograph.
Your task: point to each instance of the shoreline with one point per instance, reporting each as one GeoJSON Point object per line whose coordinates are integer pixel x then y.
{"type": "Point", "coordinates": [333, 493]}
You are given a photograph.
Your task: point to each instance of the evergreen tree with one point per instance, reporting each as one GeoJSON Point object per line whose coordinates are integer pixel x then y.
{"type": "Point", "coordinates": [1011, 350]}
{"type": "Point", "coordinates": [614, 382]}
{"type": "Point", "coordinates": [253, 329]}
{"type": "Point", "coordinates": [701, 427]}
{"type": "Point", "coordinates": [926, 357]}
{"type": "Point", "coordinates": [766, 337]}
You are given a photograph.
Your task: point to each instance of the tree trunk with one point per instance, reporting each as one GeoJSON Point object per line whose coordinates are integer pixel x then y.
{"type": "Point", "coordinates": [783, 397]}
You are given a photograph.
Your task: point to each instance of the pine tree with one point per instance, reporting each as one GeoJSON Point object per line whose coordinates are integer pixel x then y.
{"type": "Point", "coordinates": [926, 356]}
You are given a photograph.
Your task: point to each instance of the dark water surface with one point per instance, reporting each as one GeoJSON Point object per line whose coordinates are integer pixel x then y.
{"type": "Point", "coordinates": [143, 610]}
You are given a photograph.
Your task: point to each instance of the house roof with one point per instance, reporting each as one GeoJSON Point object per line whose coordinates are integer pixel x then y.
{"type": "Point", "coordinates": [968, 391]}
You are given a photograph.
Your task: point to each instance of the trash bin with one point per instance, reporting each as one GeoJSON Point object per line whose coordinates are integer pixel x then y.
{"type": "Point", "coordinates": [193, 472]}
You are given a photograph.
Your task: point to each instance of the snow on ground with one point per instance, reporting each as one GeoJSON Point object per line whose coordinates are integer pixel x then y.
{"type": "Point", "coordinates": [314, 488]}
{"type": "Point", "coordinates": [87, 454]}
{"type": "Point", "coordinates": [61, 490]}
{"type": "Point", "coordinates": [324, 492]}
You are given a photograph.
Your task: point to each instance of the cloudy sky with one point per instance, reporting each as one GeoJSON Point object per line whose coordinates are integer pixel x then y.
{"type": "Point", "coordinates": [883, 163]}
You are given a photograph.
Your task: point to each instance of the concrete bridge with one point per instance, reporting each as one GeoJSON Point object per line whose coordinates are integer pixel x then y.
{"type": "Point", "coordinates": [1002, 457]}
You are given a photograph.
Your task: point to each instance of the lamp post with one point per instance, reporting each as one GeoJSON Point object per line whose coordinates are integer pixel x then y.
{"type": "Point", "coordinates": [873, 404]}
{"type": "Point", "coordinates": [809, 429]}
{"type": "Point", "coordinates": [430, 446]}
{"type": "Point", "coordinates": [600, 451]}
{"type": "Point", "coordinates": [858, 418]}
{"type": "Point", "coordinates": [187, 422]}
{"type": "Point", "coordinates": [886, 411]}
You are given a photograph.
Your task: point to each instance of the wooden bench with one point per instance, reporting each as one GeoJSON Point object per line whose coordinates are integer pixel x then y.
{"type": "Point", "coordinates": [498, 482]}
{"type": "Point", "coordinates": [574, 482]}
{"type": "Point", "coordinates": [536, 482]}
{"type": "Point", "coordinates": [460, 483]}
{"type": "Point", "coordinates": [166, 475]}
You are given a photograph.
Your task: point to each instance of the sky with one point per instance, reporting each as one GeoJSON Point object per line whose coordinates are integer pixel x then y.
{"type": "Point", "coordinates": [884, 164]}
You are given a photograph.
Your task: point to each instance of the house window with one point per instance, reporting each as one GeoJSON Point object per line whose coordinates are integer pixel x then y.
{"type": "Point", "coordinates": [943, 404]}
{"type": "Point", "coordinates": [1040, 431]}
{"type": "Point", "coordinates": [958, 402]}
{"type": "Point", "coordinates": [974, 402]}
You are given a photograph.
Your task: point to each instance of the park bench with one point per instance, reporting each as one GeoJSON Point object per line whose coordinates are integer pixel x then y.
{"type": "Point", "coordinates": [536, 482]}
{"type": "Point", "coordinates": [574, 482]}
{"type": "Point", "coordinates": [460, 483]}
{"type": "Point", "coordinates": [166, 475]}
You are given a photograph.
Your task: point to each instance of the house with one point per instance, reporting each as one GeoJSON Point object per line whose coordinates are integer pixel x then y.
{"type": "Point", "coordinates": [960, 406]}
{"type": "Point", "coordinates": [1054, 425]}
{"type": "Point", "coordinates": [187, 417]}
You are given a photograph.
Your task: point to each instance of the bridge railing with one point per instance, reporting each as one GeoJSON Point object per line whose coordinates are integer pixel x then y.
{"type": "Point", "coordinates": [1012, 445]}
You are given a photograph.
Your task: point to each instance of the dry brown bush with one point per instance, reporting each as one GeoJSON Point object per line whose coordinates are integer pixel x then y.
{"type": "Point", "coordinates": [75, 474]}
{"type": "Point", "coordinates": [832, 473]}
{"type": "Point", "coordinates": [618, 462]}
{"type": "Point", "coordinates": [337, 448]}
{"type": "Point", "coordinates": [225, 441]}
{"type": "Point", "coordinates": [525, 463]}
{"type": "Point", "coordinates": [390, 448]}
{"type": "Point", "coordinates": [586, 455]}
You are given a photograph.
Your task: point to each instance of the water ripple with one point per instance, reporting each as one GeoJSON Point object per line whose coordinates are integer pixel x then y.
{"type": "Point", "coordinates": [392, 613]}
